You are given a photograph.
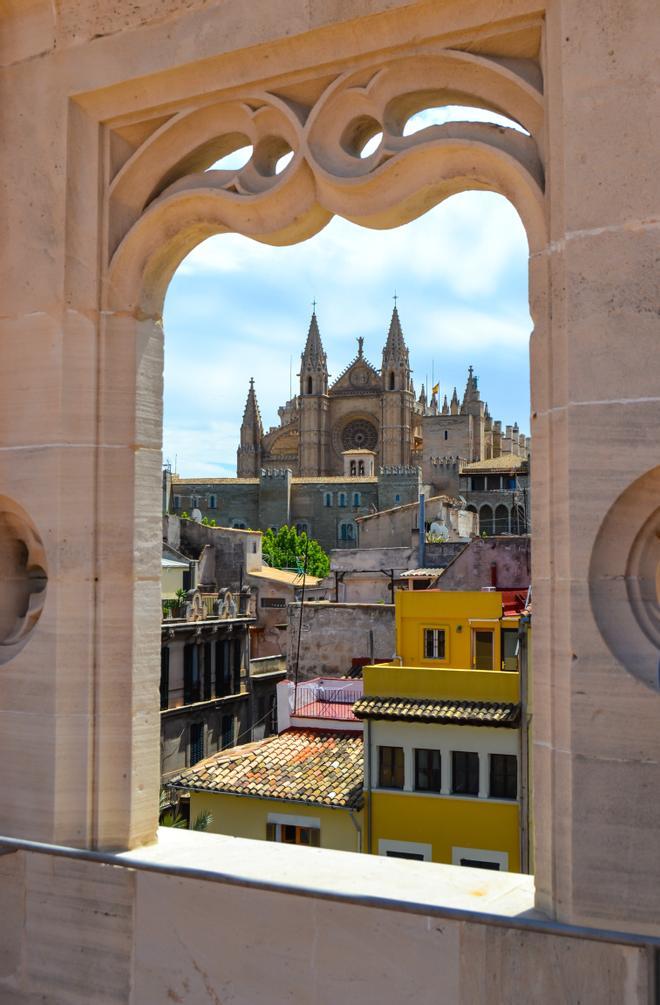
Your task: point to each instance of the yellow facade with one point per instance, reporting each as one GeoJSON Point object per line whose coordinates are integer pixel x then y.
{"type": "Point", "coordinates": [441, 826]}
{"type": "Point", "coordinates": [447, 823]}
{"type": "Point", "coordinates": [460, 614]}
{"type": "Point", "coordinates": [247, 817]}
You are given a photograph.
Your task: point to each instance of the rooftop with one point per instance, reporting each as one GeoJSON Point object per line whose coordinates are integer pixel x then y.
{"type": "Point", "coordinates": [285, 576]}
{"type": "Point", "coordinates": [457, 713]}
{"type": "Point", "coordinates": [319, 767]}
{"type": "Point", "coordinates": [505, 462]}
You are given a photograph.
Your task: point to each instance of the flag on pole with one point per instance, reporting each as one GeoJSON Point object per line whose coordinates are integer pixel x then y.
{"type": "Point", "coordinates": [436, 388]}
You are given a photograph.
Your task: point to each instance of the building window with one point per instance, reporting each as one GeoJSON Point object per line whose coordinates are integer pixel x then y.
{"type": "Point", "coordinates": [302, 528]}
{"type": "Point", "coordinates": [192, 690]}
{"type": "Point", "coordinates": [341, 499]}
{"type": "Point", "coordinates": [465, 773]}
{"type": "Point", "coordinates": [446, 435]}
{"type": "Point", "coordinates": [510, 649]}
{"type": "Point", "coordinates": [391, 381]}
{"type": "Point", "coordinates": [196, 742]}
{"type": "Point", "coordinates": [357, 499]}
{"type": "Point", "coordinates": [347, 532]}
{"type": "Point", "coordinates": [427, 771]}
{"type": "Point", "coordinates": [327, 499]}
{"type": "Point", "coordinates": [164, 677]}
{"type": "Point", "coordinates": [405, 849]}
{"type": "Point", "coordinates": [294, 834]}
{"type": "Point", "coordinates": [390, 767]}
{"type": "Point", "coordinates": [309, 385]}
{"type": "Point", "coordinates": [482, 645]}
{"type": "Point", "coordinates": [480, 858]}
{"type": "Point", "coordinates": [227, 731]}
{"type": "Point", "coordinates": [213, 502]}
{"type": "Point", "coordinates": [177, 502]}
{"type": "Point", "coordinates": [397, 498]}
{"type": "Point", "coordinates": [238, 525]}
{"type": "Point", "coordinates": [503, 776]}
{"type": "Point", "coordinates": [434, 643]}
{"type": "Point", "coordinates": [361, 467]}
{"type": "Point", "coordinates": [353, 469]}
{"type": "Point", "coordinates": [193, 502]}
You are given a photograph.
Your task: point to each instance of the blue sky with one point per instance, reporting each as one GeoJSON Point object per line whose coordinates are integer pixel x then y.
{"type": "Point", "coordinates": [237, 309]}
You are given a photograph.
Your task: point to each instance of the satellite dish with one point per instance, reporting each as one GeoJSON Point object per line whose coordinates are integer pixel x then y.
{"type": "Point", "coordinates": [196, 515]}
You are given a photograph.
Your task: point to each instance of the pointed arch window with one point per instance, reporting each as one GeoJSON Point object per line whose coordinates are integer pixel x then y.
{"type": "Point", "coordinates": [309, 385]}
{"type": "Point", "coordinates": [327, 499]}
{"type": "Point", "coordinates": [390, 381]}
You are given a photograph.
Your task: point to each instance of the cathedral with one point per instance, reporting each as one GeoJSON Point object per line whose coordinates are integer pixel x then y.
{"type": "Point", "coordinates": [374, 411]}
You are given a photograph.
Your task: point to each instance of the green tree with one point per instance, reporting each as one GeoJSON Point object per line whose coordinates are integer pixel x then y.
{"type": "Point", "coordinates": [287, 549]}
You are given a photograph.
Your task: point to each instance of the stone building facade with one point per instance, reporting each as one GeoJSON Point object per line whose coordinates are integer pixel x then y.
{"type": "Point", "coordinates": [325, 507]}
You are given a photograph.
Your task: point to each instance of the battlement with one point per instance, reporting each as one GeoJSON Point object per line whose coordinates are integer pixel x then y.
{"type": "Point", "coordinates": [399, 470]}
{"type": "Point", "coordinates": [273, 473]}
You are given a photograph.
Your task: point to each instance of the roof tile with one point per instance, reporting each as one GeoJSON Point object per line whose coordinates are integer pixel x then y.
{"type": "Point", "coordinates": [460, 713]}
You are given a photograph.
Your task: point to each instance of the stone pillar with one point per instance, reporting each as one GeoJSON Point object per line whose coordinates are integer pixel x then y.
{"type": "Point", "coordinates": [596, 415]}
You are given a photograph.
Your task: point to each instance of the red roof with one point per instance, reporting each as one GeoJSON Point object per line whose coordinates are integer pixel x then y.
{"type": "Point", "coordinates": [513, 602]}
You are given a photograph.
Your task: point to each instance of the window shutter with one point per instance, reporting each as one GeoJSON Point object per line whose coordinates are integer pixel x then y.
{"type": "Point", "coordinates": [164, 677]}
{"type": "Point", "coordinates": [270, 832]}
{"type": "Point", "coordinates": [208, 671]}
{"type": "Point", "coordinates": [187, 674]}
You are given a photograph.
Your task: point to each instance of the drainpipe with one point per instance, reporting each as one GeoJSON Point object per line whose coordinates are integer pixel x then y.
{"type": "Point", "coordinates": [523, 745]}
{"type": "Point", "coordinates": [368, 807]}
{"type": "Point", "coordinates": [357, 828]}
{"type": "Point", "coordinates": [421, 558]}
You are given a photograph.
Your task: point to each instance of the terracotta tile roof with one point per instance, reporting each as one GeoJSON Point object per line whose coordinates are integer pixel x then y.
{"type": "Point", "coordinates": [321, 767]}
{"type": "Point", "coordinates": [457, 713]}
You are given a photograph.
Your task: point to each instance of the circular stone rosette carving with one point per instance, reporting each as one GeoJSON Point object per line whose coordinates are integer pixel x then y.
{"type": "Point", "coordinates": [624, 579]}
{"type": "Point", "coordinates": [360, 434]}
{"type": "Point", "coordinates": [23, 578]}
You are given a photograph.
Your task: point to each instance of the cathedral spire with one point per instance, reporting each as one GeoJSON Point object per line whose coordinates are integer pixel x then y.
{"type": "Point", "coordinates": [251, 415]}
{"type": "Point", "coordinates": [471, 388]}
{"type": "Point", "coordinates": [248, 460]}
{"type": "Point", "coordinates": [396, 362]}
{"type": "Point", "coordinates": [445, 406]}
{"type": "Point", "coordinates": [313, 361]}
{"type": "Point", "coordinates": [453, 407]}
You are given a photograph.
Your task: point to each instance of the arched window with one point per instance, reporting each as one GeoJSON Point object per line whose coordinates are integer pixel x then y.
{"type": "Point", "coordinates": [485, 520]}
{"type": "Point", "coordinates": [361, 467]}
{"type": "Point", "coordinates": [327, 499]}
{"type": "Point", "coordinates": [397, 498]}
{"type": "Point", "coordinates": [309, 385]}
{"type": "Point", "coordinates": [237, 525]}
{"type": "Point", "coordinates": [357, 499]}
{"type": "Point", "coordinates": [347, 531]}
{"type": "Point", "coordinates": [353, 469]}
{"type": "Point", "coordinates": [193, 502]}
{"type": "Point", "coordinates": [213, 502]}
{"type": "Point", "coordinates": [501, 520]}
{"type": "Point", "coordinates": [302, 528]}
{"type": "Point", "coordinates": [341, 499]}
{"type": "Point", "coordinates": [391, 381]}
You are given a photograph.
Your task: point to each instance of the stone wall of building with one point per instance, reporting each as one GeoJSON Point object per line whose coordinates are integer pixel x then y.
{"type": "Point", "coordinates": [333, 635]}
{"type": "Point", "coordinates": [503, 562]}
{"type": "Point", "coordinates": [234, 552]}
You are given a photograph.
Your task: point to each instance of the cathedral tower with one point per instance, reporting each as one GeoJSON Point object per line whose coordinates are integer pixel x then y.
{"type": "Point", "coordinates": [398, 398]}
{"type": "Point", "coordinates": [314, 405]}
{"type": "Point", "coordinates": [248, 459]}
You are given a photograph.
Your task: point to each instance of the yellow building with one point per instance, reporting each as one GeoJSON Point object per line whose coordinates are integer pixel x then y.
{"type": "Point", "coordinates": [443, 742]}
{"type": "Point", "coordinates": [303, 786]}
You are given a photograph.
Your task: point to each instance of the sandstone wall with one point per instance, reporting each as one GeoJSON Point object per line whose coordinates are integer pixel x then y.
{"type": "Point", "coordinates": [334, 634]}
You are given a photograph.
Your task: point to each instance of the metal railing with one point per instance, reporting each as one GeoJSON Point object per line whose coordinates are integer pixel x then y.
{"type": "Point", "coordinates": [318, 701]}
